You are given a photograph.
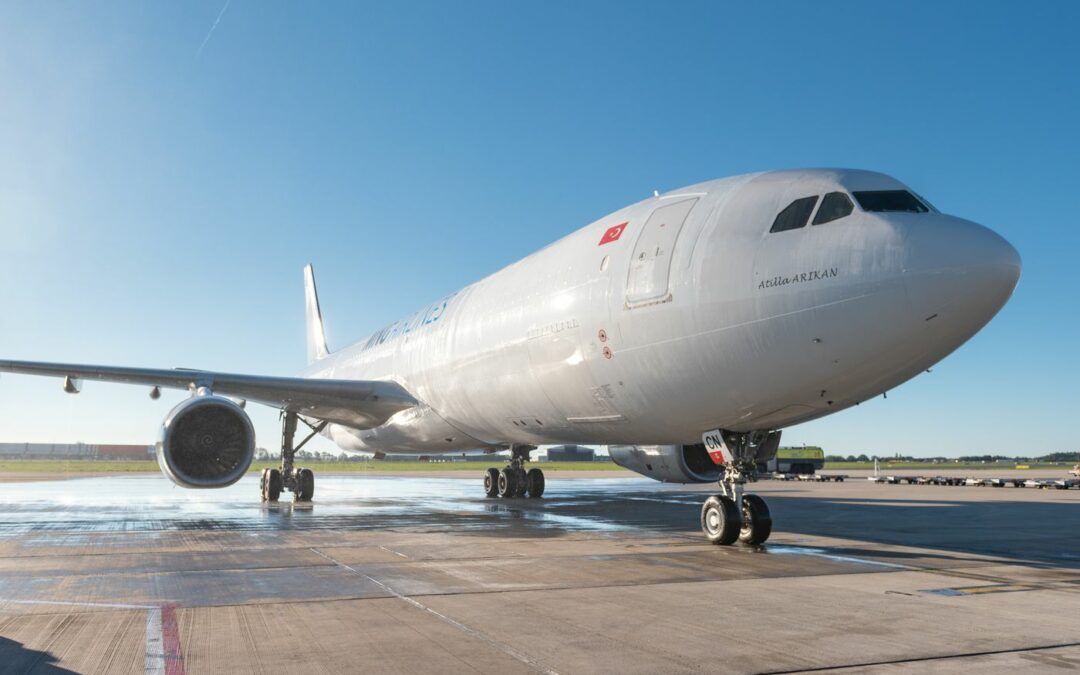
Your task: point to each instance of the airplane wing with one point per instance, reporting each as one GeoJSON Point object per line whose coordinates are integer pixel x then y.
{"type": "Point", "coordinates": [361, 404]}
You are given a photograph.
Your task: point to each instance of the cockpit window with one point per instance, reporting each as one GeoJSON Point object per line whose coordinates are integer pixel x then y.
{"type": "Point", "coordinates": [794, 215]}
{"type": "Point", "coordinates": [834, 206]}
{"type": "Point", "coordinates": [889, 200]}
{"type": "Point", "coordinates": [927, 203]}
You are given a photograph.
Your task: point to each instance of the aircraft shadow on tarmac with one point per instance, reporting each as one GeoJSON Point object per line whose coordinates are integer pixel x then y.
{"type": "Point", "coordinates": [1030, 532]}
{"type": "Point", "coordinates": [1037, 533]}
{"type": "Point", "coordinates": [15, 658]}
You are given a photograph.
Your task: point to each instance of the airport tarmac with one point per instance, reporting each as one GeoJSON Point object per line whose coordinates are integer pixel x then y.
{"type": "Point", "coordinates": [422, 574]}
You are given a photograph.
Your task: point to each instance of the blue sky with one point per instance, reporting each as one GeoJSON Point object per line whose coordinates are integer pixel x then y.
{"type": "Point", "coordinates": [162, 183]}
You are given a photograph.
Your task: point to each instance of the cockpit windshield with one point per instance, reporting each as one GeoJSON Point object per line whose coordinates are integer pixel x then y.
{"type": "Point", "coordinates": [794, 215]}
{"type": "Point", "coordinates": [876, 201]}
{"type": "Point", "coordinates": [834, 206]}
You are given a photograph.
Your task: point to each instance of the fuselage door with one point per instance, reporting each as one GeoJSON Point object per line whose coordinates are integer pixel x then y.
{"type": "Point", "coordinates": [650, 266]}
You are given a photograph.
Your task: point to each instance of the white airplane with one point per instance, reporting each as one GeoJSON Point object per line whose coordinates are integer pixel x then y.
{"type": "Point", "coordinates": [683, 331]}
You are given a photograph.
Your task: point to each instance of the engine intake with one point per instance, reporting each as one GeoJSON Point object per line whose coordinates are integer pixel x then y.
{"type": "Point", "coordinates": [206, 442]}
{"type": "Point", "coordinates": [667, 463]}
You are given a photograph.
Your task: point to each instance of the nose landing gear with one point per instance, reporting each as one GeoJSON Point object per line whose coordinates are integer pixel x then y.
{"type": "Point", "coordinates": [733, 515]}
{"type": "Point", "coordinates": [514, 480]}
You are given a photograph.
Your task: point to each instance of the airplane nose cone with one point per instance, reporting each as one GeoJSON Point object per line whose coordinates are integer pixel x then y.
{"type": "Point", "coordinates": [959, 274]}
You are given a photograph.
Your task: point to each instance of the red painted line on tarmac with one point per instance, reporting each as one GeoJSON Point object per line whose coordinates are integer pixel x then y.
{"type": "Point", "coordinates": [170, 637]}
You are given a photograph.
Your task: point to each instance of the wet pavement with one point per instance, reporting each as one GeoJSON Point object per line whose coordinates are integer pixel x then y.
{"type": "Point", "coordinates": [389, 574]}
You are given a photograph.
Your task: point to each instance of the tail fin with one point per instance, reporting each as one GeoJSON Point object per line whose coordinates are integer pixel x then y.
{"type": "Point", "coordinates": [316, 336]}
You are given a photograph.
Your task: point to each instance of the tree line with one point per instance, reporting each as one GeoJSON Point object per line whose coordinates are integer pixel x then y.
{"type": "Point", "coordinates": [1062, 457]}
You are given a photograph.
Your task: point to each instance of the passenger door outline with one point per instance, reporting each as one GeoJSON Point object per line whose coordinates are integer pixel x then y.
{"type": "Point", "coordinates": [649, 271]}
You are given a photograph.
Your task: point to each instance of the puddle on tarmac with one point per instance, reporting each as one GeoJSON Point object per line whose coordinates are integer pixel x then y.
{"type": "Point", "coordinates": [67, 512]}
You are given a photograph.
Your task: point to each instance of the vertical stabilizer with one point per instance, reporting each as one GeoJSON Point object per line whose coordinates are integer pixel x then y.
{"type": "Point", "coordinates": [316, 336]}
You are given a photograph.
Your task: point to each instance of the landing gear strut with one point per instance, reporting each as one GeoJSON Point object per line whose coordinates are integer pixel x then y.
{"type": "Point", "coordinates": [514, 480]}
{"type": "Point", "coordinates": [733, 515]}
{"type": "Point", "coordinates": [300, 482]}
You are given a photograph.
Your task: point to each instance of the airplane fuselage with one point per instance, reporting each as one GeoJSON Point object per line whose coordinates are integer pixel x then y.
{"type": "Point", "coordinates": [684, 313]}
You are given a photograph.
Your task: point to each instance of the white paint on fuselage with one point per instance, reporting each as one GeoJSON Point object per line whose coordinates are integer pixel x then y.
{"type": "Point", "coordinates": [756, 330]}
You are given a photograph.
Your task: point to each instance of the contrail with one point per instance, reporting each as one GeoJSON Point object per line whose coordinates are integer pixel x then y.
{"type": "Point", "coordinates": [211, 31]}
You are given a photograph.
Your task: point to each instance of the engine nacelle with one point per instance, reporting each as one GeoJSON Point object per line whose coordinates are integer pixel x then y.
{"type": "Point", "coordinates": [667, 463]}
{"type": "Point", "coordinates": [206, 442]}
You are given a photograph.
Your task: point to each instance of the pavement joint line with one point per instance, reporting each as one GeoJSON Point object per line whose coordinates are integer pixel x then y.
{"type": "Point", "coordinates": [65, 603]}
{"type": "Point", "coordinates": [506, 649]}
{"type": "Point", "coordinates": [971, 576]}
{"type": "Point", "coordinates": [921, 659]}
{"type": "Point", "coordinates": [987, 578]}
{"type": "Point", "coordinates": [390, 550]}
{"type": "Point", "coordinates": [550, 588]}
{"type": "Point", "coordinates": [687, 539]}
{"type": "Point", "coordinates": [161, 573]}
{"type": "Point", "coordinates": [478, 591]}
{"type": "Point", "coordinates": [450, 594]}
{"type": "Point", "coordinates": [786, 550]}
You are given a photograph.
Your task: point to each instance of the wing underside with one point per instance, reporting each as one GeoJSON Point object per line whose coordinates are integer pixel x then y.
{"type": "Point", "coordinates": [361, 404]}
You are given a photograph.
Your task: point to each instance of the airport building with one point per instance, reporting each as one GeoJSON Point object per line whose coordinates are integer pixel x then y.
{"type": "Point", "coordinates": [74, 451]}
{"type": "Point", "coordinates": [124, 451]}
{"type": "Point", "coordinates": [570, 453]}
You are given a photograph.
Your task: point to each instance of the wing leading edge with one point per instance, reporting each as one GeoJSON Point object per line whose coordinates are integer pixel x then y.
{"type": "Point", "coordinates": [361, 404]}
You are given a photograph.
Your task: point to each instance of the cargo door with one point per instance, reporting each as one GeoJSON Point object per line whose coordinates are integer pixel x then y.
{"type": "Point", "coordinates": [650, 265]}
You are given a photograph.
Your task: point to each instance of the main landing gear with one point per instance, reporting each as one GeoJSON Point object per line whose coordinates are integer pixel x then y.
{"type": "Point", "coordinates": [301, 482]}
{"type": "Point", "coordinates": [733, 515]}
{"type": "Point", "coordinates": [514, 480]}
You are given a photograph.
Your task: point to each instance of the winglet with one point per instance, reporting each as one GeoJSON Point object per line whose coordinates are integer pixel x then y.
{"type": "Point", "coordinates": [316, 336]}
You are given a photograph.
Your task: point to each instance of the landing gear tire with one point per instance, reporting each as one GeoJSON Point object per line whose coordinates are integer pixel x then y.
{"type": "Point", "coordinates": [305, 485]}
{"type": "Point", "coordinates": [276, 485]}
{"type": "Point", "coordinates": [720, 520]}
{"type": "Point", "coordinates": [508, 483]}
{"type": "Point", "coordinates": [271, 485]}
{"type": "Point", "coordinates": [534, 483]}
{"type": "Point", "coordinates": [491, 482]}
{"type": "Point", "coordinates": [756, 521]}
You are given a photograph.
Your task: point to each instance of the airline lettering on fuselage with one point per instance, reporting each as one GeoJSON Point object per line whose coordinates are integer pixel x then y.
{"type": "Point", "coordinates": [799, 278]}
{"type": "Point", "coordinates": [426, 316]}
{"type": "Point", "coordinates": [551, 329]}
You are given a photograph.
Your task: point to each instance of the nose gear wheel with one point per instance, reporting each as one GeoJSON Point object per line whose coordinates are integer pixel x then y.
{"type": "Point", "coordinates": [756, 521]}
{"type": "Point", "coordinates": [720, 520]}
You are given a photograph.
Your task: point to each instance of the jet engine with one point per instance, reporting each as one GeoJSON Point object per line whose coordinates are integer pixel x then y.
{"type": "Point", "coordinates": [667, 463]}
{"type": "Point", "coordinates": [206, 442]}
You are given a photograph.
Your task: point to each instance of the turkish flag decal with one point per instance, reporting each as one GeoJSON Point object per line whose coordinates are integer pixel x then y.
{"type": "Point", "coordinates": [613, 233]}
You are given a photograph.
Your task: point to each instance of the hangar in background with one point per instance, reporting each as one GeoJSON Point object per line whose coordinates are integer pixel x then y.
{"type": "Point", "coordinates": [570, 453]}
{"type": "Point", "coordinates": [74, 451]}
